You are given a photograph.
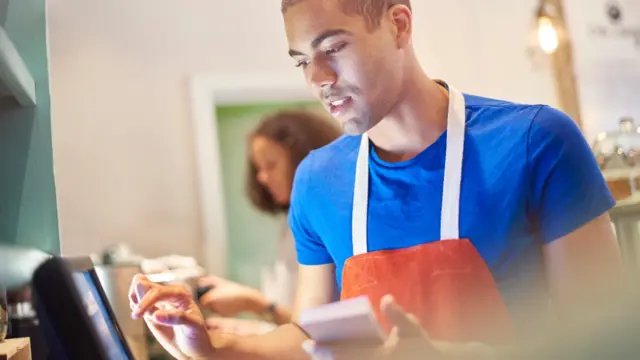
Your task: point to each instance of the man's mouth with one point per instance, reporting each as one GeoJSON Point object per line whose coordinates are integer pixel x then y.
{"type": "Point", "coordinates": [339, 105]}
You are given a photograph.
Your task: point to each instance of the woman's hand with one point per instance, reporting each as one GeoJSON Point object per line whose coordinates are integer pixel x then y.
{"type": "Point", "coordinates": [229, 299]}
{"type": "Point", "coordinates": [172, 316]}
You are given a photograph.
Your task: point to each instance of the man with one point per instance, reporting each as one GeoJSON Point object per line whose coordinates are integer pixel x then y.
{"type": "Point", "coordinates": [471, 212]}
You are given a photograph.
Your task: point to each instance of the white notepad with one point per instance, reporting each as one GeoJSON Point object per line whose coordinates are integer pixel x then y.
{"type": "Point", "coordinates": [352, 319]}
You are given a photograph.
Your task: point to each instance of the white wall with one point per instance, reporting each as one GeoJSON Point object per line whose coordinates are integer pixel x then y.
{"type": "Point", "coordinates": [608, 67]}
{"type": "Point", "coordinates": [481, 46]}
{"type": "Point", "coordinates": [123, 150]}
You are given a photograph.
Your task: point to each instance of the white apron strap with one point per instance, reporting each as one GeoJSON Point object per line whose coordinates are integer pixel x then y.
{"type": "Point", "coordinates": [360, 199]}
{"type": "Point", "coordinates": [456, 121]}
{"type": "Point", "coordinates": [449, 217]}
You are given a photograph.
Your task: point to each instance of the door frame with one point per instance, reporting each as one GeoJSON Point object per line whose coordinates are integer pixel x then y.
{"type": "Point", "coordinates": [207, 91]}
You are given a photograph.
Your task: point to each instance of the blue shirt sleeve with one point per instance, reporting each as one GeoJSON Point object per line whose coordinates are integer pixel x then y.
{"type": "Point", "coordinates": [567, 187]}
{"type": "Point", "coordinates": [309, 247]}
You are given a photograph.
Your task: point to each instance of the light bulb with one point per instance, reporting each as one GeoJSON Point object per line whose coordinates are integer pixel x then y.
{"type": "Point", "coordinates": [547, 35]}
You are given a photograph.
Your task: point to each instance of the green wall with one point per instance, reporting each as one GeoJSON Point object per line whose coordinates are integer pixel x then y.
{"type": "Point", "coordinates": [28, 211]}
{"type": "Point", "coordinates": [252, 235]}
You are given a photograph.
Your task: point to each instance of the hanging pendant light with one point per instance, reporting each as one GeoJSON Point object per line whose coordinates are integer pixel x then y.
{"type": "Point", "coordinates": [547, 29]}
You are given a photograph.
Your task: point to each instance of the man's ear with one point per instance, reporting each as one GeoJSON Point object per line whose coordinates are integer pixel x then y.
{"type": "Point", "coordinates": [401, 18]}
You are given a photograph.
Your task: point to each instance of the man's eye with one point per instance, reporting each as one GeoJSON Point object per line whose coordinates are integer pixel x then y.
{"type": "Point", "coordinates": [335, 49]}
{"type": "Point", "coordinates": [302, 63]}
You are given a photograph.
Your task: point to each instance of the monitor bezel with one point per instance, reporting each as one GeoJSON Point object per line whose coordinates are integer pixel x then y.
{"type": "Point", "coordinates": [85, 264]}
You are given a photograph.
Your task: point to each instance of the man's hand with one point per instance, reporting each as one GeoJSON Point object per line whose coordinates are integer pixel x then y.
{"type": "Point", "coordinates": [172, 316]}
{"type": "Point", "coordinates": [242, 327]}
{"type": "Point", "coordinates": [407, 340]}
{"type": "Point", "coordinates": [229, 299]}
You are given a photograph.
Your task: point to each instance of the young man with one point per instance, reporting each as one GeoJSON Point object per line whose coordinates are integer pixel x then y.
{"type": "Point", "coordinates": [471, 212]}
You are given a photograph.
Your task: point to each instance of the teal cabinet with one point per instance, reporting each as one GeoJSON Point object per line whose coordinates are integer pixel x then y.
{"type": "Point", "coordinates": [28, 208]}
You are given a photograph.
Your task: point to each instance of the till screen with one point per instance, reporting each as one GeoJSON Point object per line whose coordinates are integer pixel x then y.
{"type": "Point", "coordinates": [99, 316]}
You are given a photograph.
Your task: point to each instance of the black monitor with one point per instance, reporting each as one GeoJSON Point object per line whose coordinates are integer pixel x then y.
{"type": "Point", "coordinates": [74, 312]}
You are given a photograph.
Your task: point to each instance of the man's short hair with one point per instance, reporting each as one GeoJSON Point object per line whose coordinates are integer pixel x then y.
{"type": "Point", "coordinates": [370, 10]}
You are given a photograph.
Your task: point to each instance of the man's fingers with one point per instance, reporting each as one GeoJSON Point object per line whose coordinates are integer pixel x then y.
{"type": "Point", "coordinates": [393, 339]}
{"type": "Point", "coordinates": [145, 304]}
{"type": "Point", "coordinates": [406, 324]}
{"type": "Point", "coordinates": [160, 293]}
{"type": "Point", "coordinates": [136, 282]}
{"type": "Point", "coordinates": [171, 317]}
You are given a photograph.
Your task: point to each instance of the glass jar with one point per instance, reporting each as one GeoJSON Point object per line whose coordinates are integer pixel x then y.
{"type": "Point", "coordinates": [4, 314]}
{"type": "Point", "coordinates": [618, 155]}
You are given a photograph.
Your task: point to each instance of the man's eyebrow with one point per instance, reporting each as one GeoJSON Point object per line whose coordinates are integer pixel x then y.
{"type": "Point", "coordinates": [319, 39]}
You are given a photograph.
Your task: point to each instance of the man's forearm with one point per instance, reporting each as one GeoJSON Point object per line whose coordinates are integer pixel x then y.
{"type": "Point", "coordinates": [283, 343]}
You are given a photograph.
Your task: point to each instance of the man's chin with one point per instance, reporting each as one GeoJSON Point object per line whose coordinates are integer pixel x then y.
{"type": "Point", "coordinates": [354, 127]}
{"type": "Point", "coordinates": [351, 128]}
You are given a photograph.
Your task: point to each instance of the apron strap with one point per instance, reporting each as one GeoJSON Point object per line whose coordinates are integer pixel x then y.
{"type": "Point", "coordinates": [361, 199]}
{"type": "Point", "coordinates": [450, 213]}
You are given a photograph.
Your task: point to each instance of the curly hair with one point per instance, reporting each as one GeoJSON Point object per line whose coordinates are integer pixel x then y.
{"type": "Point", "coordinates": [298, 132]}
{"type": "Point", "coordinates": [370, 10]}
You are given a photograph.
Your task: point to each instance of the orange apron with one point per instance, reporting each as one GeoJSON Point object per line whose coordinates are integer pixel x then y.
{"type": "Point", "coordinates": [445, 284]}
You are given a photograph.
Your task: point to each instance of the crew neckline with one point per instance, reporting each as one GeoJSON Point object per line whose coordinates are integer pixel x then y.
{"type": "Point", "coordinates": [430, 152]}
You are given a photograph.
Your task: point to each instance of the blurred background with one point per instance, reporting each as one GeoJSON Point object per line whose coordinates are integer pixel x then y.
{"type": "Point", "coordinates": [125, 123]}
{"type": "Point", "coordinates": [114, 119]}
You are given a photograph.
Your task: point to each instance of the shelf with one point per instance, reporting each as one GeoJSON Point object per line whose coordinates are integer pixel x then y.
{"type": "Point", "coordinates": [15, 349]}
{"type": "Point", "coordinates": [15, 79]}
{"type": "Point", "coordinates": [621, 174]}
{"type": "Point", "coordinates": [627, 207]}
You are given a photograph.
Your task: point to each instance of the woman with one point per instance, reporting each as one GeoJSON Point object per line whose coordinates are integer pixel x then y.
{"type": "Point", "coordinates": [276, 148]}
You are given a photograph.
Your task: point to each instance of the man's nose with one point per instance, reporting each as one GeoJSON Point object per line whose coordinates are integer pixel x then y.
{"type": "Point", "coordinates": [320, 74]}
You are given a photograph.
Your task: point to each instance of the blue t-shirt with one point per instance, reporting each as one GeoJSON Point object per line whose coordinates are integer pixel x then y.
{"type": "Point", "coordinates": [528, 178]}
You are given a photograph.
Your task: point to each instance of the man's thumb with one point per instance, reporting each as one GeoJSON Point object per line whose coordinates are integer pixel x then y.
{"type": "Point", "coordinates": [407, 325]}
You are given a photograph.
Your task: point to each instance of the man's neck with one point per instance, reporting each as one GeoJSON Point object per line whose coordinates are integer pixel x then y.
{"type": "Point", "coordinates": [414, 123]}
